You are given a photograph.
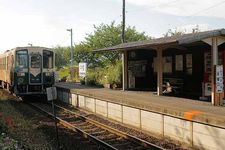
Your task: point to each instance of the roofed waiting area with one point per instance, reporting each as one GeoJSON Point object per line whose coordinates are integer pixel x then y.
{"type": "Point", "coordinates": [189, 65]}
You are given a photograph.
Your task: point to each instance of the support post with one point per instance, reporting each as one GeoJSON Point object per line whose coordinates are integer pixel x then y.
{"type": "Point", "coordinates": [214, 63]}
{"type": "Point", "coordinates": [159, 72]}
{"type": "Point", "coordinates": [214, 42]}
{"type": "Point", "coordinates": [124, 67]}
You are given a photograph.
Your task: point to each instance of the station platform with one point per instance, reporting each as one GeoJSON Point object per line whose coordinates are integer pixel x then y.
{"type": "Point", "coordinates": [187, 109]}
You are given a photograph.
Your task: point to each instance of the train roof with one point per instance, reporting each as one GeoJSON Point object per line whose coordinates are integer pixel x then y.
{"type": "Point", "coordinates": [31, 47]}
{"type": "Point", "coordinates": [26, 47]}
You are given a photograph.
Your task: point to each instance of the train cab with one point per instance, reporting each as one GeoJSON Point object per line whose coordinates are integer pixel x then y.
{"type": "Point", "coordinates": [34, 70]}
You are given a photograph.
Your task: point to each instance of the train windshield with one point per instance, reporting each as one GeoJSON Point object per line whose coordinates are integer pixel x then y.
{"type": "Point", "coordinates": [22, 58]}
{"type": "Point", "coordinates": [47, 59]}
{"type": "Point", "coordinates": [35, 61]}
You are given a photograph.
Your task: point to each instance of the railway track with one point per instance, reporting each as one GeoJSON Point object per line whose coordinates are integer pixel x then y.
{"type": "Point", "coordinates": [103, 135]}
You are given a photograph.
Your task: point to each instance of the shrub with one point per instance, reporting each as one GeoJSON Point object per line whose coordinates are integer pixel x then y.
{"type": "Point", "coordinates": [111, 74]}
{"type": "Point", "coordinates": [3, 127]}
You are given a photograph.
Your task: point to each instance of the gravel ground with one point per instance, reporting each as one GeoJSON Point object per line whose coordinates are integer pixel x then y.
{"type": "Point", "coordinates": [32, 130]}
{"type": "Point", "coordinates": [165, 143]}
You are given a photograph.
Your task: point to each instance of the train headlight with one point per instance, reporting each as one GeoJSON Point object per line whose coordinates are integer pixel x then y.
{"type": "Point", "coordinates": [20, 80]}
{"type": "Point", "coordinates": [20, 74]}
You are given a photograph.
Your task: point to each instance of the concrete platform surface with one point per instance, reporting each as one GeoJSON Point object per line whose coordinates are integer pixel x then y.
{"type": "Point", "coordinates": [187, 109]}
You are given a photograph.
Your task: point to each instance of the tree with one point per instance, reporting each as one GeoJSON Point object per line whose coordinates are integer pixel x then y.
{"type": "Point", "coordinates": [170, 32]}
{"type": "Point", "coordinates": [83, 53]}
{"type": "Point", "coordinates": [110, 35]}
{"type": "Point", "coordinates": [173, 33]}
{"type": "Point", "coordinates": [62, 56]}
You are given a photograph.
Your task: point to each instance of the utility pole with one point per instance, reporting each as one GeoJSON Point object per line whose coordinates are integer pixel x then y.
{"type": "Point", "coordinates": [71, 49]}
{"type": "Point", "coordinates": [123, 22]}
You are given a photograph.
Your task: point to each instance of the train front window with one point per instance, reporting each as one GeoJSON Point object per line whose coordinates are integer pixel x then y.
{"type": "Point", "coordinates": [22, 58]}
{"type": "Point", "coordinates": [35, 61]}
{"type": "Point", "coordinates": [47, 59]}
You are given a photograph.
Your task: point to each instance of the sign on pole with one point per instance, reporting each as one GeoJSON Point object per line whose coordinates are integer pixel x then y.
{"type": "Point", "coordinates": [51, 93]}
{"type": "Point", "coordinates": [51, 96]}
{"type": "Point", "coordinates": [82, 69]}
{"type": "Point", "coordinates": [219, 79]}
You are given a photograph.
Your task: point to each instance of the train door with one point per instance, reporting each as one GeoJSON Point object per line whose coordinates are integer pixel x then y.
{"type": "Point", "coordinates": [35, 68]}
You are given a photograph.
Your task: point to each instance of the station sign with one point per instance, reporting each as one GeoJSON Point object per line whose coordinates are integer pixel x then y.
{"type": "Point", "coordinates": [82, 69]}
{"type": "Point", "coordinates": [51, 93]}
{"type": "Point", "coordinates": [219, 79]}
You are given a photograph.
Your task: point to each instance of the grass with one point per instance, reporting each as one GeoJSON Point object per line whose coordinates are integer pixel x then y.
{"type": "Point", "coordinates": [16, 125]}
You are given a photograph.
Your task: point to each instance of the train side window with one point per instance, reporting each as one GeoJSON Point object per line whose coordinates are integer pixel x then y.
{"type": "Point", "coordinates": [22, 58]}
{"type": "Point", "coordinates": [47, 59]}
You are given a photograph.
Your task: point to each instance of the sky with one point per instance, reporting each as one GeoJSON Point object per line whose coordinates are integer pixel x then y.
{"type": "Point", "coordinates": [45, 22]}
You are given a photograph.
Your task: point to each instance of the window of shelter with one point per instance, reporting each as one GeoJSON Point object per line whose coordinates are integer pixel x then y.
{"type": "Point", "coordinates": [189, 63]}
{"type": "Point", "coordinates": [179, 62]}
{"type": "Point", "coordinates": [167, 64]}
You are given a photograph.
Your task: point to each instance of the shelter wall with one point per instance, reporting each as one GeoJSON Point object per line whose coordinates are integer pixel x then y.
{"type": "Point", "coordinates": [186, 66]}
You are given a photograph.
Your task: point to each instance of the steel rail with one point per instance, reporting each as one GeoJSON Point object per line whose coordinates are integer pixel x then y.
{"type": "Point", "coordinates": [115, 131]}
{"type": "Point", "coordinates": [74, 128]}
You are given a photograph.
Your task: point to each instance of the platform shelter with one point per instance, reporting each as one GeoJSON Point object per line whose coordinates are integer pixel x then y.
{"type": "Point", "coordinates": [189, 65]}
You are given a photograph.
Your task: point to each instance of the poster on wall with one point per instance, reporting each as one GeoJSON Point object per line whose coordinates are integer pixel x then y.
{"type": "Point", "coordinates": [207, 58]}
{"type": "Point", "coordinates": [179, 62]}
{"type": "Point", "coordinates": [131, 80]}
{"type": "Point", "coordinates": [219, 78]}
{"type": "Point", "coordinates": [167, 64]}
{"type": "Point", "coordinates": [138, 68]}
{"type": "Point", "coordinates": [189, 63]}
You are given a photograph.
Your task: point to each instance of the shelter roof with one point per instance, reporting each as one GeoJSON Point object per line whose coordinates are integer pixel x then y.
{"type": "Point", "coordinates": [178, 40]}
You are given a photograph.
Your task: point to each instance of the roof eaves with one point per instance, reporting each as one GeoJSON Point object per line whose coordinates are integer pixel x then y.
{"type": "Point", "coordinates": [200, 36]}
{"type": "Point", "coordinates": [135, 45]}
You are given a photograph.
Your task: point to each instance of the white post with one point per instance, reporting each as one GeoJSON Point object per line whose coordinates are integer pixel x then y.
{"type": "Point", "coordinates": [159, 72]}
{"type": "Point", "coordinates": [124, 70]}
{"type": "Point", "coordinates": [214, 63]}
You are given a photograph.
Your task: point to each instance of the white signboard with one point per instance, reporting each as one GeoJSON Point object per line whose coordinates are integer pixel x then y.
{"type": "Point", "coordinates": [82, 69]}
{"type": "Point", "coordinates": [51, 93]}
{"type": "Point", "coordinates": [219, 79]}
{"type": "Point", "coordinates": [56, 76]}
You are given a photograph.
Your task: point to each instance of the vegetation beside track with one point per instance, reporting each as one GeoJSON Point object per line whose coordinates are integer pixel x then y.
{"type": "Point", "coordinates": [18, 131]}
{"type": "Point", "coordinates": [25, 128]}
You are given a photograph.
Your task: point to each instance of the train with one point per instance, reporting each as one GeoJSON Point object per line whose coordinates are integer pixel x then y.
{"type": "Point", "coordinates": [27, 70]}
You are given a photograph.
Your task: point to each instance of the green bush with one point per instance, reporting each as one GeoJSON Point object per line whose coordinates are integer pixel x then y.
{"type": "Point", "coordinates": [111, 74]}
{"type": "Point", "coordinates": [3, 127]}
{"type": "Point", "coordinates": [114, 73]}
{"type": "Point", "coordinates": [94, 76]}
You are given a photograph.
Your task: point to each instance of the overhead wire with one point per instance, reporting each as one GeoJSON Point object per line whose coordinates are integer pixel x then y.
{"type": "Point", "coordinates": [206, 9]}
{"type": "Point", "coordinates": [160, 5]}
